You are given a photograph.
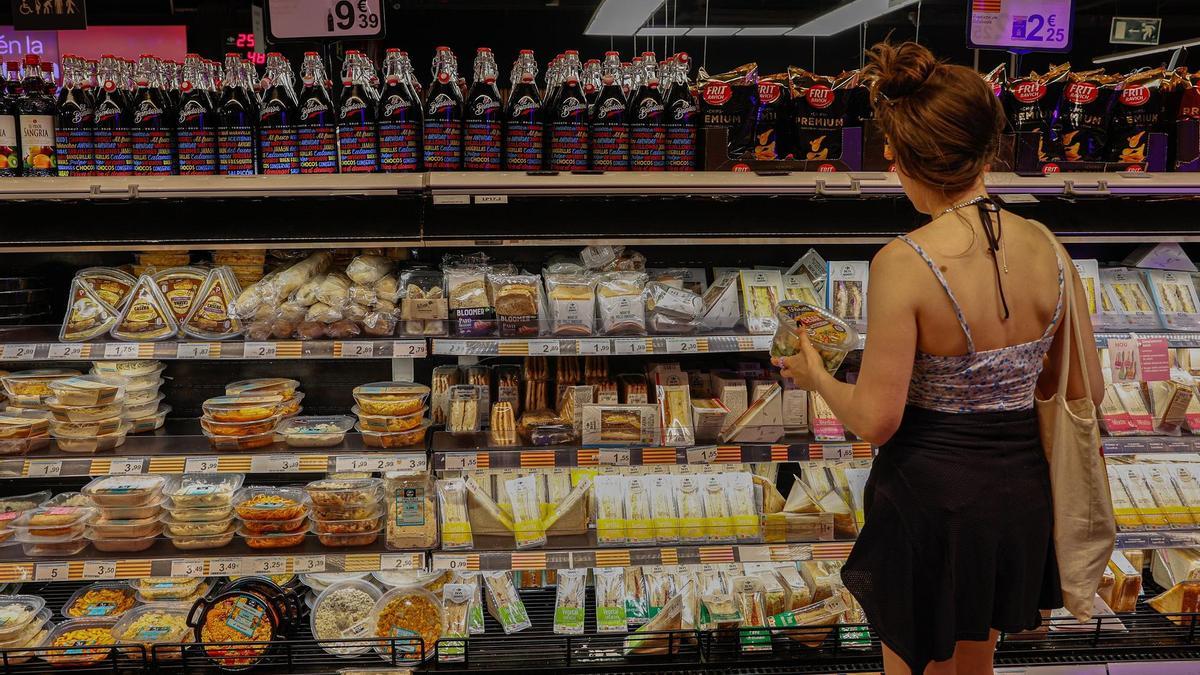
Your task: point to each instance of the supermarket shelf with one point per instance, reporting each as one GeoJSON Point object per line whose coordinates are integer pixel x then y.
{"type": "Point", "coordinates": [625, 557]}
{"type": "Point", "coordinates": [601, 346]}
{"type": "Point", "coordinates": [1159, 539]}
{"type": "Point", "coordinates": [453, 452]}
{"type": "Point", "coordinates": [163, 559]}
{"type": "Point", "coordinates": [208, 187]}
{"type": "Point", "coordinates": [1175, 339]}
{"type": "Point", "coordinates": [1139, 445]}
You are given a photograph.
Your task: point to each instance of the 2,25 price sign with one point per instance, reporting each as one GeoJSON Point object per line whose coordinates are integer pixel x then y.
{"type": "Point", "coordinates": [332, 19]}
{"type": "Point", "coordinates": [1021, 25]}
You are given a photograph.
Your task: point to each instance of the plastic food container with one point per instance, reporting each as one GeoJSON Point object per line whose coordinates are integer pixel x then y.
{"type": "Point", "coordinates": [832, 337]}
{"type": "Point", "coordinates": [348, 539]}
{"type": "Point", "coordinates": [52, 523]}
{"type": "Point", "coordinates": [274, 539]}
{"type": "Point", "coordinates": [281, 386]}
{"type": "Point", "coordinates": [272, 526]}
{"type": "Point", "coordinates": [190, 528]}
{"type": "Point", "coordinates": [356, 630]}
{"type": "Point", "coordinates": [103, 598]}
{"type": "Point", "coordinates": [68, 499]}
{"type": "Point", "coordinates": [33, 383]}
{"type": "Point", "coordinates": [291, 406]}
{"type": "Point", "coordinates": [349, 526]}
{"type": "Point", "coordinates": [124, 491]}
{"type": "Point", "coordinates": [155, 589]}
{"type": "Point", "coordinates": [65, 534]}
{"type": "Point", "coordinates": [204, 490]}
{"type": "Point", "coordinates": [102, 427]}
{"type": "Point", "coordinates": [240, 428]}
{"type": "Point", "coordinates": [128, 369]}
{"type": "Point", "coordinates": [319, 581]}
{"type": "Point", "coordinates": [141, 381]}
{"type": "Point", "coordinates": [383, 423]}
{"type": "Point", "coordinates": [97, 444]}
{"type": "Point", "coordinates": [154, 624]}
{"type": "Point", "coordinates": [236, 616]}
{"type": "Point", "coordinates": [408, 611]}
{"type": "Point", "coordinates": [193, 543]}
{"type": "Point", "coordinates": [151, 510]}
{"type": "Point", "coordinates": [88, 390]}
{"type": "Point", "coordinates": [238, 409]}
{"type": "Point", "coordinates": [85, 413]}
{"type": "Point", "coordinates": [143, 393]}
{"type": "Point", "coordinates": [20, 446]}
{"type": "Point", "coordinates": [270, 503]}
{"type": "Point", "coordinates": [46, 550]}
{"type": "Point", "coordinates": [26, 637]}
{"type": "Point", "coordinates": [17, 612]}
{"type": "Point", "coordinates": [22, 503]}
{"type": "Point", "coordinates": [121, 545]}
{"type": "Point", "coordinates": [87, 641]}
{"type": "Point", "coordinates": [390, 398]}
{"type": "Point", "coordinates": [141, 425]}
{"type": "Point", "coordinates": [144, 409]}
{"type": "Point", "coordinates": [395, 439]}
{"type": "Point", "coordinates": [343, 492]}
{"type": "Point", "coordinates": [315, 431]}
{"type": "Point", "coordinates": [12, 427]}
{"type": "Point", "coordinates": [219, 442]}
{"type": "Point", "coordinates": [206, 514]}
{"type": "Point", "coordinates": [39, 413]}
{"type": "Point", "coordinates": [125, 529]}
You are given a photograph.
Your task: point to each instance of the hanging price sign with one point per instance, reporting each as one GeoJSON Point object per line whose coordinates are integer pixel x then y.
{"type": "Point", "coordinates": [317, 19]}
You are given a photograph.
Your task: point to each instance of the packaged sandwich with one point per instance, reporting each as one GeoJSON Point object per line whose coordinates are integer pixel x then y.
{"type": "Point", "coordinates": [675, 415]}
{"type": "Point", "coordinates": [1166, 497]}
{"type": "Point", "coordinates": [572, 300]}
{"type": "Point", "coordinates": [1089, 276]}
{"type": "Point", "coordinates": [1143, 499]}
{"type": "Point", "coordinates": [747, 526]}
{"type": "Point", "coordinates": [620, 302]}
{"type": "Point", "coordinates": [1184, 477]}
{"type": "Point", "coordinates": [610, 510]}
{"type": "Point", "coordinates": [639, 517]}
{"type": "Point", "coordinates": [1176, 299]}
{"type": "Point", "coordinates": [569, 602]}
{"type": "Point", "coordinates": [824, 612]}
{"type": "Point", "coordinates": [663, 509]}
{"type": "Point", "coordinates": [526, 510]}
{"type": "Point", "coordinates": [637, 608]}
{"type": "Point", "coordinates": [761, 290]}
{"type": "Point", "coordinates": [1126, 513]}
{"type": "Point", "coordinates": [798, 288]}
{"type": "Point", "coordinates": [504, 604]}
{"type": "Point", "coordinates": [619, 425]}
{"type": "Point", "coordinates": [690, 503]}
{"type": "Point", "coordinates": [471, 311]}
{"type": "Point", "coordinates": [452, 505]}
{"type": "Point", "coordinates": [846, 292]}
{"type": "Point", "coordinates": [610, 599]}
{"type": "Point", "coordinates": [515, 297]}
{"type": "Point", "coordinates": [718, 521]}
{"type": "Point", "coordinates": [748, 594]}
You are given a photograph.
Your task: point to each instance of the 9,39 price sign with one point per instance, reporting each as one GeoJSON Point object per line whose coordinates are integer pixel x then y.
{"type": "Point", "coordinates": [314, 19]}
{"type": "Point", "coordinates": [1021, 25]}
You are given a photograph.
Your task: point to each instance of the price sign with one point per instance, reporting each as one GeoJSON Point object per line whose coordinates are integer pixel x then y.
{"type": "Point", "coordinates": [1021, 25]}
{"type": "Point", "coordinates": [462, 461]}
{"type": "Point", "coordinates": [351, 464]}
{"type": "Point", "coordinates": [65, 352]}
{"type": "Point", "coordinates": [105, 569]}
{"type": "Point", "coordinates": [401, 561]}
{"type": "Point", "coordinates": [273, 565]}
{"type": "Point", "coordinates": [449, 562]}
{"type": "Point", "coordinates": [545, 348]}
{"type": "Point", "coordinates": [629, 346]}
{"type": "Point", "coordinates": [358, 350]}
{"type": "Point", "coordinates": [682, 345]}
{"type": "Point", "coordinates": [379, 463]}
{"type": "Point", "coordinates": [305, 564]}
{"type": "Point", "coordinates": [201, 465]}
{"type": "Point", "coordinates": [45, 468]}
{"type": "Point", "coordinates": [450, 347]}
{"type": "Point", "coordinates": [260, 350]}
{"type": "Point", "coordinates": [614, 457]}
{"type": "Point", "coordinates": [187, 568]}
{"type": "Point", "coordinates": [409, 349]}
{"type": "Point", "coordinates": [761, 343]}
{"type": "Point", "coordinates": [799, 552]}
{"type": "Point", "coordinates": [837, 451]}
{"type": "Point", "coordinates": [275, 464]}
{"type": "Point", "coordinates": [593, 346]}
{"type": "Point", "coordinates": [221, 567]}
{"type": "Point", "coordinates": [121, 466]}
{"type": "Point", "coordinates": [194, 350]}
{"type": "Point", "coordinates": [412, 463]}
{"type": "Point", "coordinates": [55, 571]}
{"type": "Point", "coordinates": [703, 455]}
{"type": "Point", "coordinates": [754, 554]}
{"type": "Point", "coordinates": [18, 352]}
{"type": "Point", "coordinates": [120, 350]}
{"type": "Point", "coordinates": [306, 19]}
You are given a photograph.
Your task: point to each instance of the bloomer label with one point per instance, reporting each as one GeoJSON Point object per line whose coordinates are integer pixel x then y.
{"type": "Point", "coordinates": [358, 148]}
{"type": "Point", "coordinates": [399, 148]}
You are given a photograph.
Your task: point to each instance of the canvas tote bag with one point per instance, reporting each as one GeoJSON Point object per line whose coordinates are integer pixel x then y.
{"type": "Point", "coordinates": [1084, 527]}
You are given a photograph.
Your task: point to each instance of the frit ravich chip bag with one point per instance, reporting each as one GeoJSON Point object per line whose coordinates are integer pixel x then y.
{"type": "Point", "coordinates": [1082, 120]}
{"type": "Point", "coordinates": [727, 100]}
{"type": "Point", "coordinates": [772, 118]}
{"type": "Point", "coordinates": [819, 107]}
{"type": "Point", "coordinates": [1135, 112]}
{"type": "Point", "coordinates": [1029, 105]}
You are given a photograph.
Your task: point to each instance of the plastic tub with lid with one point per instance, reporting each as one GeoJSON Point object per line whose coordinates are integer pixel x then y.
{"type": "Point", "coordinates": [128, 369]}
{"type": "Point", "coordinates": [123, 544]}
{"type": "Point", "coordinates": [204, 514]}
{"type": "Point", "coordinates": [125, 491]}
{"type": "Point", "coordinates": [247, 408]}
{"type": "Point", "coordinates": [80, 642]}
{"type": "Point", "coordinates": [357, 626]}
{"type": "Point", "coordinates": [219, 442]}
{"type": "Point", "coordinates": [92, 429]}
{"type": "Point", "coordinates": [54, 523]}
{"type": "Point", "coordinates": [260, 502]}
{"type": "Point", "coordinates": [159, 589]}
{"type": "Point", "coordinates": [395, 439]}
{"type": "Point", "coordinates": [240, 617]}
{"type": "Point", "coordinates": [408, 612]}
{"type": "Point", "coordinates": [252, 526]}
{"type": "Point", "coordinates": [257, 427]}
{"type": "Point", "coordinates": [69, 547]}
{"type": "Point", "coordinates": [144, 409]}
{"type": "Point", "coordinates": [831, 336]}
{"type": "Point", "coordinates": [14, 427]}
{"type": "Point", "coordinates": [157, 623]}
{"type": "Point", "coordinates": [103, 598]}
{"type": "Point", "coordinates": [16, 612]}
{"type": "Point", "coordinates": [34, 383]}
{"type": "Point", "coordinates": [84, 413]}
{"type": "Point", "coordinates": [343, 492]}
{"type": "Point", "coordinates": [125, 529]}
{"type": "Point", "coordinates": [320, 431]}
{"type": "Point", "coordinates": [282, 386]}
{"type": "Point", "coordinates": [27, 632]}
{"type": "Point", "coordinates": [95, 444]}
{"type": "Point", "coordinates": [386, 423]}
{"type": "Point", "coordinates": [204, 490]}
{"type": "Point", "coordinates": [142, 393]}
{"type": "Point", "coordinates": [151, 510]}
{"type": "Point", "coordinates": [201, 542]}
{"type": "Point", "coordinates": [88, 390]}
{"type": "Point", "coordinates": [274, 539]}
{"type": "Point", "coordinates": [21, 446]}
{"type": "Point", "coordinates": [390, 398]}
{"type": "Point", "coordinates": [139, 381]}
{"type": "Point", "coordinates": [141, 425]}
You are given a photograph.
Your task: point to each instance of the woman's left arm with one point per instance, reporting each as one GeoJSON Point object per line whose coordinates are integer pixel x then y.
{"type": "Point", "coordinates": [873, 407]}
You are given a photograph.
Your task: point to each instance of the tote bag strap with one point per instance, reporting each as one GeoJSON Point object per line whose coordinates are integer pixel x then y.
{"type": "Point", "coordinates": [1070, 317]}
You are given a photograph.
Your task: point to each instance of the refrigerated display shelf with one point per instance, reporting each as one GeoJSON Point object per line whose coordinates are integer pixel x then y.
{"type": "Point", "coordinates": [601, 346]}
{"type": "Point", "coordinates": [625, 557]}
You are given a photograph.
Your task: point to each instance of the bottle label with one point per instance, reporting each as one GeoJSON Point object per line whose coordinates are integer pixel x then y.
{"type": "Point", "coordinates": [398, 146]}
{"type": "Point", "coordinates": [278, 148]}
{"type": "Point", "coordinates": [76, 148]}
{"type": "Point", "coordinates": [358, 148]}
{"type": "Point", "coordinates": [610, 147]}
{"type": "Point", "coordinates": [197, 151]}
{"type": "Point", "coordinates": [317, 149]}
{"type": "Point", "coordinates": [681, 148]}
{"type": "Point", "coordinates": [523, 150]}
{"type": "Point", "coordinates": [37, 145]}
{"type": "Point", "coordinates": [235, 150]}
{"type": "Point", "coordinates": [569, 146]}
{"type": "Point", "coordinates": [153, 152]}
{"type": "Point", "coordinates": [443, 145]}
{"type": "Point", "coordinates": [647, 148]}
{"type": "Point", "coordinates": [113, 150]}
{"type": "Point", "coordinates": [481, 145]}
{"type": "Point", "coordinates": [10, 157]}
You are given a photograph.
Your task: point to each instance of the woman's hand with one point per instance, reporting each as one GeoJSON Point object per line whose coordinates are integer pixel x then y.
{"type": "Point", "coordinates": [805, 368]}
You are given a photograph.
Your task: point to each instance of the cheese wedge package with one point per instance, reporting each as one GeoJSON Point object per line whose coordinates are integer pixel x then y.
{"type": "Point", "coordinates": [88, 316]}
{"type": "Point", "coordinates": [209, 317]}
{"type": "Point", "coordinates": [147, 315]}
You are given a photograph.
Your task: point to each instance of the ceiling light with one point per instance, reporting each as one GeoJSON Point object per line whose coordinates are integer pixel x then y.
{"type": "Point", "coordinates": [621, 17]}
{"type": "Point", "coordinates": [660, 31]}
{"type": "Point", "coordinates": [1147, 51]}
{"type": "Point", "coordinates": [763, 31]}
{"type": "Point", "coordinates": [713, 31]}
{"type": "Point", "coordinates": [848, 16]}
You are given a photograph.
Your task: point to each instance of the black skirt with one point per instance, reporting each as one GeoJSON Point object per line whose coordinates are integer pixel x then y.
{"type": "Point", "coordinates": [958, 533]}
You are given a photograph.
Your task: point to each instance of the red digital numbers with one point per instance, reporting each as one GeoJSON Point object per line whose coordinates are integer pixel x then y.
{"type": "Point", "coordinates": [245, 40]}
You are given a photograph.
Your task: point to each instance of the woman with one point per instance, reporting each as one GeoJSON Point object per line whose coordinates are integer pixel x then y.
{"type": "Point", "coordinates": [962, 313]}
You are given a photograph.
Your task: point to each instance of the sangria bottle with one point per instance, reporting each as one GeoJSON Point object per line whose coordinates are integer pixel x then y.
{"type": "Point", "coordinates": [316, 135]}
{"type": "Point", "coordinates": [523, 127]}
{"type": "Point", "coordinates": [647, 133]}
{"type": "Point", "coordinates": [277, 132]}
{"type": "Point", "coordinates": [443, 123]}
{"type": "Point", "coordinates": [35, 122]}
{"type": "Point", "coordinates": [10, 144]}
{"type": "Point", "coordinates": [398, 116]}
{"type": "Point", "coordinates": [481, 124]}
{"type": "Point", "coordinates": [610, 128]}
{"type": "Point", "coordinates": [568, 119]}
{"type": "Point", "coordinates": [236, 119]}
{"type": "Point", "coordinates": [679, 116]}
{"type": "Point", "coordinates": [357, 138]}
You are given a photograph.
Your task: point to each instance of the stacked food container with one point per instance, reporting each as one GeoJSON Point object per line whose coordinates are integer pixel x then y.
{"type": "Point", "coordinates": [19, 435]}
{"type": "Point", "coordinates": [170, 589]}
{"type": "Point", "coordinates": [247, 415]}
{"type": "Point", "coordinates": [28, 390]}
{"type": "Point", "coordinates": [272, 517]}
{"type": "Point", "coordinates": [53, 530]}
{"type": "Point", "coordinates": [129, 510]}
{"type": "Point", "coordinates": [347, 511]}
{"type": "Point", "coordinates": [24, 624]}
{"type": "Point", "coordinates": [391, 414]}
{"type": "Point", "coordinates": [12, 508]}
{"type": "Point", "coordinates": [144, 409]}
{"type": "Point", "coordinates": [86, 412]}
{"type": "Point", "coordinates": [200, 510]}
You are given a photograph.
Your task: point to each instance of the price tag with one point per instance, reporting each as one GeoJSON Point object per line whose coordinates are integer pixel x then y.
{"type": "Point", "coordinates": [201, 465]}
{"type": "Point", "coordinates": [702, 455]}
{"type": "Point", "coordinates": [545, 348]}
{"type": "Point", "coordinates": [462, 461]}
{"type": "Point", "coordinates": [799, 552]}
{"type": "Point", "coordinates": [194, 350]}
{"type": "Point", "coordinates": [629, 345]}
{"type": "Point", "coordinates": [837, 451]}
{"type": "Point", "coordinates": [260, 350]}
{"type": "Point", "coordinates": [401, 561]}
{"type": "Point", "coordinates": [762, 343]}
{"type": "Point", "coordinates": [65, 352]}
{"type": "Point", "coordinates": [450, 347]}
{"type": "Point", "coordinates": [682, 345]}
{"type": "Point", "coordinates": [45, 468]}
{"type": "Point", "coordinates": [121, 466]}
{"type": "Point", "coordinates": [594, 346]}
{"type": "Point", "coordinates": [104, 569]}
{"type": "Point", "coordinates": [275, 464]}
{"type": "Point", "coordinates": [411, 350]}
{"type": "Point", "coordinates": [291, 20]}
{"type": "Point", "coordinates": [414, 463]}
{"type": "Point", "coordinates": [187, 568]}
{"type": "Point", "coordinates": [449, 562]}
{"type": "Point", "coordinates": [120, 350]}
{"type": "Point", "coordinates": [358, 350]}
{"type": "Point", "coordinates": [351, 464]}
{"type": "Point", "coordinates": [221, 567]}
{"type": "Point", "coordinates": [273, 565]}
{"type": "Point", "coordinates": [55, 571]}
{"type": "Point", "coordinates": [305, 564]}
{"type": "Point", "coordinates": [18, 352]}
{"type": "Point", "coordinates": [614, 457]}
{"type": "Point", "coordinates": [754, 554]}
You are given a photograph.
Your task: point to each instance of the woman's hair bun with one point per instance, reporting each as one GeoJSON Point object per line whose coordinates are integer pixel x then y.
{"type": "Point", "coordinates": [900, 70]}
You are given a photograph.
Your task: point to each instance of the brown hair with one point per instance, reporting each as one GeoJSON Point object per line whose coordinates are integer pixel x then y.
{"type": "Point", "coordinates": [942, 121]}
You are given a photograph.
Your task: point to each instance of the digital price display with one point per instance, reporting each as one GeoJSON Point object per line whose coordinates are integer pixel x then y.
{"type": "Point", "coordinates": [245, 45]}
{"type": "Point", "coordinates": [316, 19]}
{"type": "Point", "coordinates": [1021, 25]}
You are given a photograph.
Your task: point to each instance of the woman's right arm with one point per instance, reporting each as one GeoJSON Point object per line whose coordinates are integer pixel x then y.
{"type": "Point", "coordinates": [1076, 387]}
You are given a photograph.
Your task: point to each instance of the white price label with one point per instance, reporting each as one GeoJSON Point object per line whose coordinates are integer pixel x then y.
{"type": "Point", "coordinates": [45, 468]}
{"type": "Point", "coordinates": [761, 343]}
{"type": "Point", "coordinates": [491, 199]}
{"type": "Point", "coordinates": [614, 457]}
{"type": "Point", "coordinates": [55, 571]}
{"type": "Point", "coordinates": [413, 463]}
{"type": "Point", "coordinates": [449, 562]}
{"type": "Point", "coordinates": [305, 564]}
{"type": "Point", "coordinates": [187, 568]}
{"type": "Point", "coordinates": [593, 346]}
{"type": "Point", "coordinates": [358, 350]}
{"type": "Point", "coordinates": [103, 569]}
{"type": "Point", "coordinates": [351, 464]}
{"type": "Point", "coordinates": [273, 565]}
{"type": "Point", "coordinates": [411, 349]}
{"type": "Point", "coordinates": [221, 567]}
{"type": "Point", "coordinates": [629, 345]}
{"type": "Point", "coordinates": [65, 352]}
{"type": "Point", "coordinates": [754, 554]}
{"type": "Point", "coordinates": [291, 20]}
{"type": "Point", "coordinates": [120, 350]}
{"type": "Point", "coordinates": [18, 352]}
{"type": "Point", "coordinates": [275, 464]}
{"type": "Point", "coordinates": [121, 466]}
{"type": "Point", "coordinates": [462, 461]}
{"type": "Point", "coordinates": [545, 348]}
{"type": "Point", "coordinates": [194, 350]}
{"type": "Point", "coordinates": [201, 465]}
{"type": "Point", "coordinates": [682, 345]}
{"type": "Point", "coordinates": [401, 561]}
{"type": "Point", "coordinates": [702, 455]}
{"type": "Point", "coordinates": [260, 350]}
{"type": "Point", "coordinates": [450, 347]}
{"type": "Point", "coordinates": [837, 451]}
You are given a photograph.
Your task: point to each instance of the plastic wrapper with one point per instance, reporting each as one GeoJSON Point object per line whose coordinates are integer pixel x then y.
{"type": "Point", "coordinates": [660, 588]}
{"type": "Point", "coordinates": [147, 315]}
{"type": "Point", "coordinates": [464, 404]}
{"type": "Point", "coordinates": [572, 303]}
{"type": "Point", "coordinates": [528, 528]}
{"type": "Point", "coordinates": [742, 507]}
{"type": "Point", "coordinates": [832, 337]}
{"type": "Point", "coordinates": [718, 521]}
{"type": "Point", "coordinates": [610, 510]}
{"type": "Point", "coordinates": [423, 306]}
{"type": "Point", "coordinates": [444, 378]}
{"type": "Point", "coordinates": [87, 315]}
{"type": "Point", "coordinates": [663, 510]}
{"type": "Point", "coordinates": [610, 599]}
{"type": "Point", "coordinates": [569, 602]}
{"type": "Point", "coordinates": [516, 301]}
{"type": "Point", "coordinates": [181, 286]}
{"type": "Point", "coordinates": [689, 503]}
{"type": "Point", "coordinates": [368, 269]}
{"type": "Point", "coordinates": [504, 604]}
{"type": "Point", "coordinates": [760, 294]}
{"type": "Point", "coordinates": [471, 311]}
{"type": "Point", "coordinates": [748, 593]}
{"type": "Point", "coordinates": [456, 524]}
{"type": "Point", "coordinates": [111, 286]}
{"type": "Point", "coordinates": [621, 304]}
{"type": "Point", "coordinates": [645, 642]}
{"type": "Point", "coordinates": [817, 619]}
{"type": "Point", "coordinates": [639, 517]}
{"type": "Point", "coordinates": [673, 302]}
{"type": "Point", "coordinates": [675, 414]}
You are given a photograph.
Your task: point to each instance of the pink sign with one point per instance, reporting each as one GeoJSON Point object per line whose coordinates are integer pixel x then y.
{"type": "Point", "coordinates": [15, 44]}
{"type": "Point", "coordinates": [165, 42]}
